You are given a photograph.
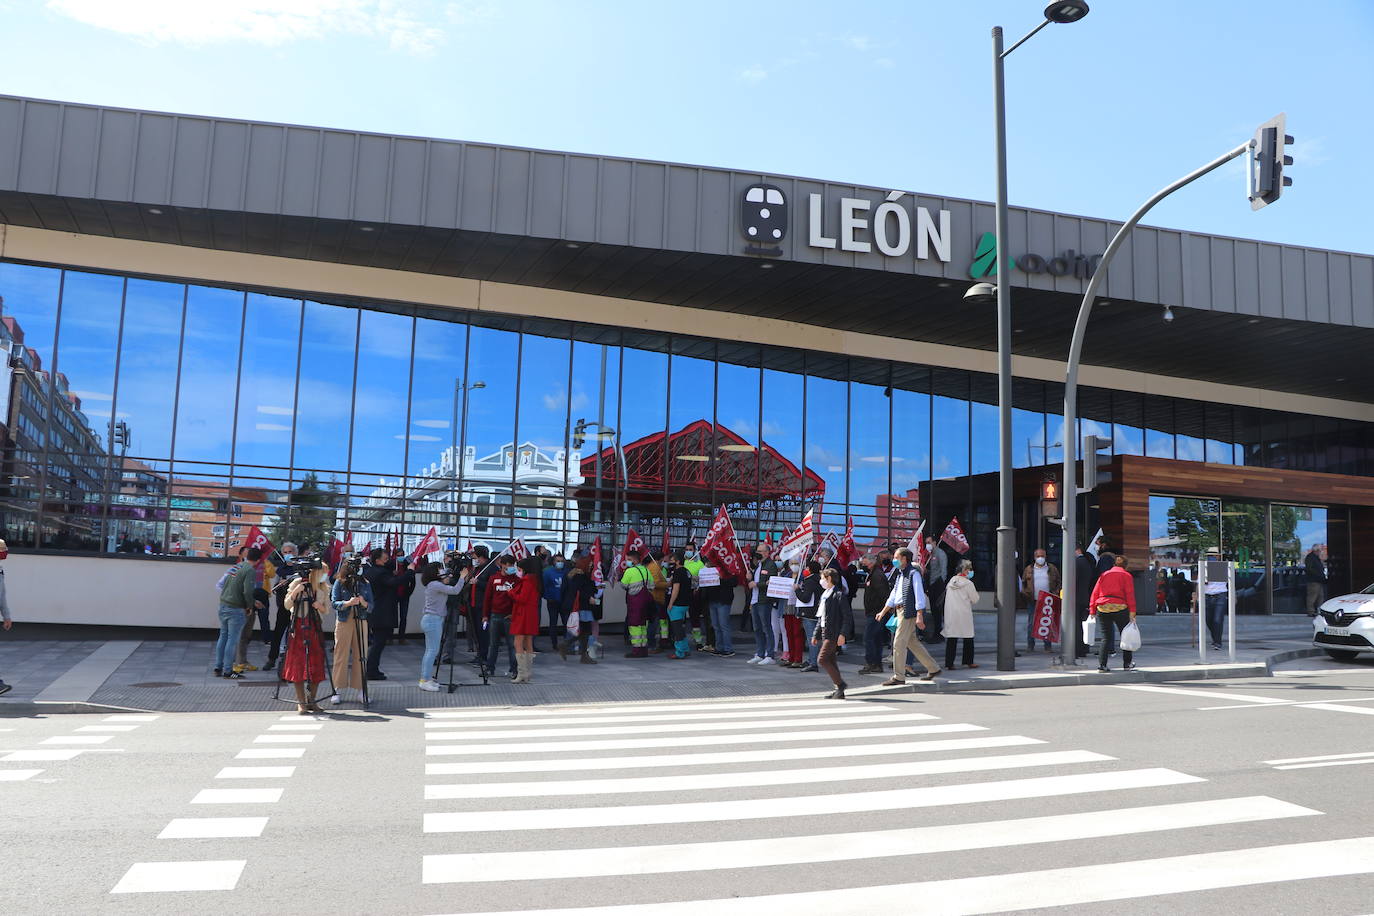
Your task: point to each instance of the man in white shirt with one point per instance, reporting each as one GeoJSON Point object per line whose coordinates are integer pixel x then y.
{"type": "Point", "coordinates": [1216, 607]}
{"type": "Point", "coordinates": [908, 598]}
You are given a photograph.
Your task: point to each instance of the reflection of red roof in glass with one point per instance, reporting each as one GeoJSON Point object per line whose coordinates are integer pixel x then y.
{"type": "Point", "coordinates": [741, 473]}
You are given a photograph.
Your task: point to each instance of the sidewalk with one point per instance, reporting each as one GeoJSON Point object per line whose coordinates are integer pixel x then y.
{"type": "Point", "coordinates": [83, 670]}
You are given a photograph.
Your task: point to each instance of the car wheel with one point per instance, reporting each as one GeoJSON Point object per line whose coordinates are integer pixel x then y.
{"type": "Point", "coordinates": [1341, 655]}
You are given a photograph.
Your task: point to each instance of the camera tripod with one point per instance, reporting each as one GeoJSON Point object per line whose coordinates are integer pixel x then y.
{"type": "Point", "coordinates": [319, 631]}
{"type": "Point", "coordinates": [446, 643]}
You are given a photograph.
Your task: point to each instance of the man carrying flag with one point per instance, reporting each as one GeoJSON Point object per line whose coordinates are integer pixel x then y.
{"type": "Point", "coordinates": [721, 548]}
{"type": "Point", "coordinates": [638, 582]}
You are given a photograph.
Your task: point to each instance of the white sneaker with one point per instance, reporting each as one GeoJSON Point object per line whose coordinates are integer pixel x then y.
{"type": "Point", "coordinates": [335, 700]}
{"type": "Point", "coordinates": [766, 660]}
{"type": "Point", "coordinates": [430, 686]}
{"type": "Point", "coordinates": [754, 661]}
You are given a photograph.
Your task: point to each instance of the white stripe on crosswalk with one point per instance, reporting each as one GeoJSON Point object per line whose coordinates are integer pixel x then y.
{"type": "Point", "coordinates": [623, 744]}
{"type": "Point", "coordinates": [17, 775]}
{"type": "Point", "coordinates": [1323, 757]}
{"type": "Point", "coordinates": [131, 717]}
{"type": "Point", "coordinates": [208, 828]}
{"type": "Point", "coordinates": [1337, 707]}
{"type": "Point", "coordinates": [296, 727]}
{"type": "Point", "coordinates": [844, 847]}
{"type": "Point", "coordinates": [255, 772]}
{"type": "Point", "coordinates": [577, 764]}
{"type": "Point", "coordinates": [832, 709]}
{"type": "Point", "coordinates": [282, 739]}
{"type": "Point", "coordinates": [804, 805]}
{"type": "Point", "coordinates": [1096, 883]}
{"type": "Point", "coordinates": [672, 727]}
{"type": "Point", "coordinates": [150, 877]}
{"type": "Point", "coordinates": [1329, 763]}
{"type": "Point", "coordinates": [703, 781]}
{"type": "Point", "coordinates": [237, 796]}
{"type": "Point", "coordinates": [628, 708]}
{"type": "Point", "coordinates": [107, 728]}
{"type": "Point", "coordinates": [270, 753]}
{"type": "Point", "coordinates": [1205, 694]}
{"type": "Point", "coordinates": [77, 739]}
{"type": "Point", "coordinates": [32, 756]}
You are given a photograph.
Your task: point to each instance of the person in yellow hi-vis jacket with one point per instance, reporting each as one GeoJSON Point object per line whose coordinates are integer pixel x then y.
{"type": "Point", "coordinates": [638, 582]}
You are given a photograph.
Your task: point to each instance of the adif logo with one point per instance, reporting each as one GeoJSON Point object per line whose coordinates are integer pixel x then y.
{"type": "Point", "coordinates": [763, 219]}
{"type": "Point", "coordinates": [1069, 263]}
{"type": "Point", "coordinates": [985, 258]}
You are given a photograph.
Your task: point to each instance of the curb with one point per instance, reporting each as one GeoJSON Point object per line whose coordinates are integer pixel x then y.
{"type": "Point", "coordinates": [18, 708]}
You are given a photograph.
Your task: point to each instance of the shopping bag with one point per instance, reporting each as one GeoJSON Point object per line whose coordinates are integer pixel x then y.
{"type": "Point", "coordinates": [892, 623]}
{"type": "Point", "coordinates": [574, 625]}
{"type": "Point", "coordinates": [1130, 638]}
{"type": "Point", "coordinates": [1090, 631]}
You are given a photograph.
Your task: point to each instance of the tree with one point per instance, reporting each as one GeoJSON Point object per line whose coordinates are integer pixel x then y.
{"type": "Point", "coordinates": [1198, 522]}
{"type": "Point", "coordinates": [308, 516]}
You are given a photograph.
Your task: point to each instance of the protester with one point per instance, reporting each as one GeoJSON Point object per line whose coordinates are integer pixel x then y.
{"type": "Point", "coordinates": [761, 606]}
{"type": "Point", "coordinates": [553, 577]}
{"type": "Point", "coordinates": [1112, 600]}
{"type": "Point", "coordinates": [1085, 577]}
{"type": "Point", "coordinates": [794, 634]}
{"type": "Point", "coordinates": [496, 613]}
{"type": "Point", "coordinates": [6, 622]}
{"type": "Point", "coordinates": [639, 600]}
{"type": "Point", "coordinates": [580, 604]}
{"type": "Point", "coordinates": [697, 604]}
{"type": "Point", "coordinates": [524, 618]}
{"type": "Point", "coordinates": [1040, 575]}
{"type": "Point", "coordinates": [351, 597]}
{"type": "Point", "coordinates": [830, 624]}
{"type": "Point", "coordinates": [908, 599]}
{"type": "Point", "coordinates": [876, 589]}
{"type": "Point", "coordinates": [782, 608]}
{"type": "Point", "coordinates": [383, 579]}
{"type": "Point", "coordinates": [235, 599]}
{"type": "Point", "coordinates": [659, 641]}
{"type": "Point", "coordinates": [476, 600]}
{"type": "Point", "coordinates": [720, 599]}
{"type": "Point", "coordinates": [960, 597]}
{"type": "Point", "coordinates": [935, 575]}
{"type": "Point", "coordinates": [808, 605]}
{"type": "Point", "coordinates": [433, 618]}
{"type": "Point", "coordinates": [403, 593]}
{"type": "Point", "coordinates": [304, 662]}
{"type": "Point", "coordinates": [679, 604]}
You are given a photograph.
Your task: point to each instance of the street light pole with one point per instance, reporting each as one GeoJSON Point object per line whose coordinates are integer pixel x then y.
{"type": "Point", "coordinates": [1069, 491]}
{"type": "Point", "coordinates": [1005, 572]}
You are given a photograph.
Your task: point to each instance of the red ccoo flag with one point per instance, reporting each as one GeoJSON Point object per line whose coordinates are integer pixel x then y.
{"type": "Point", "coordinates": [598, 574]}
{"type": "Point", "coordinates": [847, 551]}
{"type": "Point", "coordinates": [259, 540]}
{"type": "Point", "coordinates": [954, 536]}
{"type": "Point", "coordinates": [429, 545]}
{"type": "Point", "coordinates": [632, 542]}
{"type": "Point", "coordinates": [721, 547]}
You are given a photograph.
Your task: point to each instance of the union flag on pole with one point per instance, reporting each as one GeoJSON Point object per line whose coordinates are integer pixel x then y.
{"type": "Point", "coordinates": [667, 544]}
{"type": "Point", "coordinates": [918, 545]}
{"type": "Point", "coordinates": [632, 542]}
{"type": "Point", "coordinates": [847, 551]}
{"type": "Point", "coordinates": [800, 539]}
{"type": "Point", "coordinates": [954, 536]}
{"type": "Point", "coordinates": [518, 549]}
{"type": "Point", "coordinates": [429, 545]}
{"type": "Point", "coordinates": [721, 547]}
{"type": "Point", "coordinates": [259, 540]}
{"type": "Point", "coordinates": [830, 542]}
{"type": "Point", "coordinates": [598, 574]}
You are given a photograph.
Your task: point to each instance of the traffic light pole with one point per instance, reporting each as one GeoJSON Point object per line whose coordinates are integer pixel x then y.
{"type": "Point", "coordinates": [1068, 610]}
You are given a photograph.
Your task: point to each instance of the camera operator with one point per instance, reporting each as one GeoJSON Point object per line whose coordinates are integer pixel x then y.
{"type": "Point", "coordinates": [283, 622]}
{"type": "Point", "coordinates": [455, 565]}
{"type": "Point", "coordinates": [439, 588]}
{"type": "Point", "coordinates": [351, 597]}
{"type": "Point", "coordinates": [379, 574]}
{"type": "Point", "coordinates": [477, 602]}
{"type": "Point", "coordinates": [304, 662]}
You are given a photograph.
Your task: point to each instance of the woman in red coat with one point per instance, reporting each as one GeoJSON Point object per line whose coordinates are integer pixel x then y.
{"type": "Point", "coordinates": [307, 601]}
{"type": "Point", "coordinates": [524, 616]}
{"type": "Point", "coordinates": [1113, 599]}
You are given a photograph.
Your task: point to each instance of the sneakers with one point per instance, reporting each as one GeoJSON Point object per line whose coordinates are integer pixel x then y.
{"type": "Point", "coordinates": [1130, 667]}
{"type": "Point", "coordinates": [219, 672]}
{"type": "Point", "coordinates": [234, 675]}
{"type": "Point", "coordinates": [335, 700]}
{"type": "Point", "coordinates": [810, 668]}
{"type": "Point", "coordinates": [932, 675]}
{"type": "Point", "coordinates": [247, 667]}
{"type": "Point", "coordinates": [726, 654]}
{"type": "Point", "coordinates": [430, 686]}
{"type": "Point", "coordinates": [755, 660]}
{"type": "Point", "coordinates": [767, 660]}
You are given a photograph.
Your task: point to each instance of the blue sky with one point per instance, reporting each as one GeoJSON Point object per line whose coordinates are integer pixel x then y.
{"type": "Point", "coordinates": [892, 94]}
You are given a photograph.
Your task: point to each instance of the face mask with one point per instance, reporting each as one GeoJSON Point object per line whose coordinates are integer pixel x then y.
{"type": "Point", "coordinates": [558, 565]}
{"type": "Point", "coordinates": [930, 545]}
{"type": "Point", "coordinates": [1039, 561]}
{"type": "Point", "coordinates": [510, 570]}
{"type": "Point", "coordinates": [969, 574]}
{"type": "Point", "coordinates": [4, 554]}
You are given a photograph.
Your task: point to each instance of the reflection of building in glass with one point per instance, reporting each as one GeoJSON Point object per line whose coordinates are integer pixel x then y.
{"type": "Point", "coordinates": [196, 517]}
{"type": "Point", "coordinates": [138, 510]}
{"type": "Point", "coordinates": [898, 517]}
{"type": "Point", "coordinates": [513, 492]}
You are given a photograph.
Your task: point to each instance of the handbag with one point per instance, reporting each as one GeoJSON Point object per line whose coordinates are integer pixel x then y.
{"type": "Point", "coordinates": [1090, 631]}
{"type": "Point", "coordinates": [1130, 638]}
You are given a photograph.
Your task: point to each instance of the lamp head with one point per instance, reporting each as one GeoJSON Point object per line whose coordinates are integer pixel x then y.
{"type": "Point", "coordinates": [981, 293]}
{"type": "Point", "coordinates": [1168, 314]}
{"type": "Point", "coordinates": [1066, 11]}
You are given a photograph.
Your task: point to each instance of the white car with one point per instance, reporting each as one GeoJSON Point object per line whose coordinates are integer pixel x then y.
{"type": "Point", "coordinates": [1345, 626]}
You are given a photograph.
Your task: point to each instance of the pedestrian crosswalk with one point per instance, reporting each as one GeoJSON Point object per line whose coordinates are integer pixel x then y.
{"type": "Point", "coordinates": [554, 812]}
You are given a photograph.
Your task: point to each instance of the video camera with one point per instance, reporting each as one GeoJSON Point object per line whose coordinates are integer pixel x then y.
{"type": "Point", "coordinates": [351, 566]}
{"type": "Point", "coordinates": [455, 561]}
{"type": "Point", "coordinates": [299, 566]}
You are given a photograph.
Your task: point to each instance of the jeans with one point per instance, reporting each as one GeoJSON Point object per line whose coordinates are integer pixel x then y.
{"type": "Point", "coordinates": [720, 622]}
{"type": "Point", "coordinates": [875, 635]}
{"type": "Point", "coordinates": [763, 628]}
{"type": "Point", "coordinates": [1216, 617]}
{"type": "Point", "coordinates": [1105, 622]}
{"type": "Point", "coordinates": [432, 625]}
{"type": "Point", "coordinates": [498, 634]}
{"type": "Point", "coordinates": [558, 621]}
{"type": "Point", "coordinates": [809, 626]}
{"type": "Point", "coordinates": [230, 627]}
{"type": "Point", "coordinates": [677, 630]}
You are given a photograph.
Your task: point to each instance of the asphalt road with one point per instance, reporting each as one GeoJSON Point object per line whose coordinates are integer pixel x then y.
{"type": "Point", "coordinates": [1246, 795]}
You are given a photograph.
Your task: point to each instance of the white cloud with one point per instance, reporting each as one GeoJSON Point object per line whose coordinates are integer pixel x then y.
{"type": "Point", "coordinates": [415, 437]}
{"type": "Point", "coordinates": [884, 63]}
{"type": "Point", "coordinates": [272, 427]}
{"type": "Point", "coordinates": [754, 74]}
{"type": "Point", "coordinates": [432, 424]}
{"type": "Point", "coordinates": [275, 411]}
{"type": "Point", "coordinates": [405, 26]}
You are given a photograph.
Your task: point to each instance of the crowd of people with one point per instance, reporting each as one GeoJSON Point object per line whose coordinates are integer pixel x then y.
{"type": "Point", "coordinates": [676, 605]}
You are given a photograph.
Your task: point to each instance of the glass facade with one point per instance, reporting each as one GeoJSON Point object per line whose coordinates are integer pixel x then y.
{"type": "Point", "coordinates": [155, 417]}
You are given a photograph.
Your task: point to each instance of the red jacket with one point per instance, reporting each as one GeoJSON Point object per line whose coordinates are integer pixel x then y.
{"type": "Point", "coordinates": [1115, 586]}
{"type": "Point", "coordinates": [498, 595]}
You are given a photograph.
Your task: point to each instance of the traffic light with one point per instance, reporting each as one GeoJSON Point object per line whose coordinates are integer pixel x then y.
{"type": "Point", "coordinates": [1049, 497]}
{"type": "Point", "coordinates": [579, 436]}
{"type": "Point", "coordinates": [1094, 462]}
{"type": "Point", "coordinates": [1267, 160]}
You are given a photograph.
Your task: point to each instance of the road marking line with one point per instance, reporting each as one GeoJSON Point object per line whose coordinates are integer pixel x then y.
{"type": "Point", "coordinates": [666, 761]}
{"type": "Point", "coordinates": [846, 847]}
{"type": "Point", "coordinates": [832, 709]}
{"type": "Point", "coordinates": [621, 744]}
{"type": "Point", "coordinates": [153, 877]}
{"type": "Point", "coordinates": [281, 739]}
{"type": "Point", "coordinates": [77, 739]}
{"type": "Point", "coordinates": [131, 717]}
{"type": "Point", "coordinates": [1323, 757]}
{"type": "Point", "coordinates": [1330, 763]}
{"type": "Point", "coordinates": [31, 756]}
{"type": "Point", "coordinates": [298, 727]}
{"type": "Point", "coordinates": [1336, 707]}
{"type": "Point", "coordinates": [270, 753]}
{"type": "Point", "coordinates": [237, 796]}
{"type": "Point", "coordinates": [1059, 887]}
{"type": "Point", "coordinates": [17, 775]}
{"type": "Point", "coordinates": [1290, 703]}
{"type": "Point", "coordinates": [629, 709]}
{"type": "Point", "coordinates": [107, 728]}
{"type": "Point", "coordinates": [255, 772]}
{"type": "Point", "coordinates": [314, 717]}
{"type": "Point", "coordinates": [704, 781]}
{"type": "Point", "coordinates": [212, 828]}
{"type": "Point", "coordinates": [804, 805]}
{"type": "Point", "coordinates": [1206, 694]}
{"type": "Point", "coordinates": [668, 728]}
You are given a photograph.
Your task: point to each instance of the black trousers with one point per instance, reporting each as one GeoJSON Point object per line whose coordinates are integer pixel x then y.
{"type": "Point", "coordinates": [1105, 622]}
{"type": "Point", "coordinates": [950, 643]}
{"type": "Point", "coordinates": [278, 632]}
{"type": "Point", "coordinates": [377, 638]}
{"type": "Point", "coordinates": [935, 615]}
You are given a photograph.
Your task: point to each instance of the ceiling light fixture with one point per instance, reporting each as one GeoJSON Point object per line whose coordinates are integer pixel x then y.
{"type": "Point", "coordinates": [765, 266]}
{"type": "Point", "coordinates": [692, 458]}
{"type": "Point", "coordinates": [572, 245]}
{"type": "Point", "coordinates": [366, 229]}
{"type": "Point", "coordinates": [155, 211]}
